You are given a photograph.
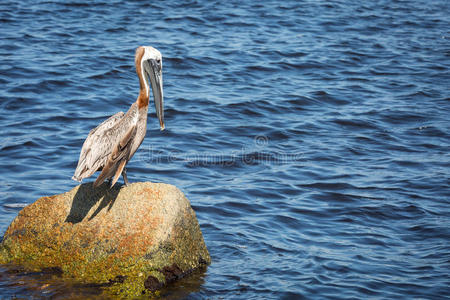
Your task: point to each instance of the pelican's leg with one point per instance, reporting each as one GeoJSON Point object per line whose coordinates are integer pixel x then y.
{"type": "Point", "coordinates": [125, 179]}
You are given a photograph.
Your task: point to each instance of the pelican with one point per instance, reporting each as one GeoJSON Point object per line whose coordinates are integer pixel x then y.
{"type": "Point", "coordinates": [110, 145]}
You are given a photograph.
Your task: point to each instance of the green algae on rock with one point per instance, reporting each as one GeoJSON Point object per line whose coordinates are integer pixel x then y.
{"type": "Point", "coordinates": [136, 238]}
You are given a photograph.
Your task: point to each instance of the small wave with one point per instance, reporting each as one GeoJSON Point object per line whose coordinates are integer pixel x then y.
{"type": "Point", "coordinates": [356, 124]}
{"type": "Point", "coordinates": [15, 205]}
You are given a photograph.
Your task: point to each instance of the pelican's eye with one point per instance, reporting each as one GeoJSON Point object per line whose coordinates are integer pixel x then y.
{"type": "Point", "coordinates": [158, 64]}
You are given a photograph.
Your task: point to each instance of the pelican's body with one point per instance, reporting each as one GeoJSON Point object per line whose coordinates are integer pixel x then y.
{"type": "Point", "coordinates": [113, 143]}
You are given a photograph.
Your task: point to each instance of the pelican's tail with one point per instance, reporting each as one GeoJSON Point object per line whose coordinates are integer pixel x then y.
{"type": "Point", "coordinates": [81, 172]}
{"type": "Point", "coordinates": [77, 178]}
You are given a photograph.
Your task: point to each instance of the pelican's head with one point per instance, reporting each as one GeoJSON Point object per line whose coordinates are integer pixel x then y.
{"type": "Point", "coordinates": [151, 68]}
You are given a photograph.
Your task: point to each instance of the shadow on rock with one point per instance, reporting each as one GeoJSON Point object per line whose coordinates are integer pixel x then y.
{"type": "Point", "coordinates": [87, 196]}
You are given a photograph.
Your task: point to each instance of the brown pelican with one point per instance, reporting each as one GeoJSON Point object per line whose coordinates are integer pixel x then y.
{"type": "Point", "coordinates": [111, 144]}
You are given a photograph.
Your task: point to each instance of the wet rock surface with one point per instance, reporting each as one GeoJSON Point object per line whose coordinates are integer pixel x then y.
{"type": "Point", "coordinates": [130, 240]}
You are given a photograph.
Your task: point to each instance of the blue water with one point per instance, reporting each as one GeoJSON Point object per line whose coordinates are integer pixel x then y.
{"type": "Point", "coordinates": [312, 138]}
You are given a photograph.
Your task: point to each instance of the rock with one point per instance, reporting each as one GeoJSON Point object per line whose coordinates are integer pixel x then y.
{"type": "Point", "coordinates": [131, 239]}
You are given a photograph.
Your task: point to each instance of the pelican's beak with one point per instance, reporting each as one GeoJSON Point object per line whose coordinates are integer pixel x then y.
{"type": "Point", "coordinates": [155, 74]}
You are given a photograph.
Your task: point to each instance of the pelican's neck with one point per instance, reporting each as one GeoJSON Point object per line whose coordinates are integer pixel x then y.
{"type": "Point", "coordinates": [144, 89]}
{"type": "Point", "coordinates": [142, 99]}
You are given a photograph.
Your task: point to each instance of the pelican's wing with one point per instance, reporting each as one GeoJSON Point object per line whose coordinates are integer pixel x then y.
{"type": "Point", "coordinates": [118, 158]}
{"type": "Point", "coordinates": [94, 153]}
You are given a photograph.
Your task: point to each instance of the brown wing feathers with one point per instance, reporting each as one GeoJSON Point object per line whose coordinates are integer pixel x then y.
{"type": "Point", "coordinates": [117, 159]}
